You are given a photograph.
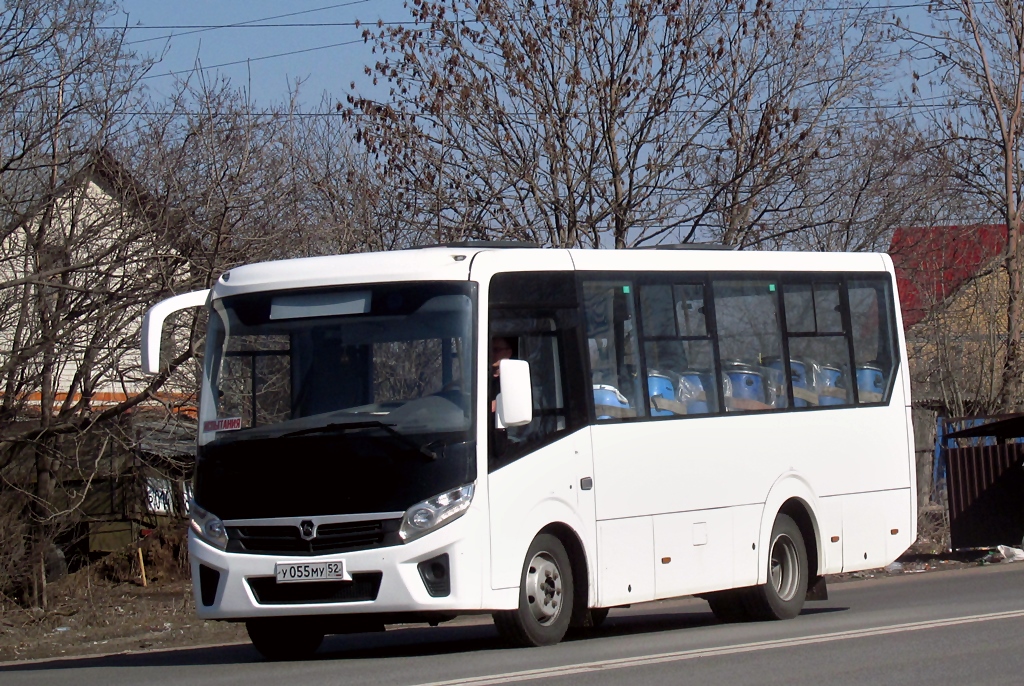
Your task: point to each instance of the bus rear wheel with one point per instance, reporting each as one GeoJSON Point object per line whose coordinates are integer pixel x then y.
{"type": "Point", "coordinates": [729, 606]}
{"type": "Point", "coordinates": [545, 597]}
{"type": "Point", "coordinates": [784, 594]}
{"type": "Point", "coordinates": [284, 638]}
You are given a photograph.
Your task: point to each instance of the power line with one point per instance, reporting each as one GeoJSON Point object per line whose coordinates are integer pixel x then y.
{"type": "Point", "coordinates": [251, 59]}
{"type": "Point", "coordinates": [258, 23]}
{"type": "Point", "coordinates": [909, 107]}
{"type": "Point", "coordinates": [251, 23]}
{"type": "Point", "coordinates": [255, 23]}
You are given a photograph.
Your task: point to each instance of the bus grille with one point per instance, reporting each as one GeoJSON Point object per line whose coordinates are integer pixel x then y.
{"type": "Point", "coordinates": [330, 538]}
{"type": "Point", "coordinates": [364, 586]}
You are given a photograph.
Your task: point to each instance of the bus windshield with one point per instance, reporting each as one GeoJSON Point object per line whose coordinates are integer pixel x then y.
{"type": "Point", "coordinates": [391, 359]}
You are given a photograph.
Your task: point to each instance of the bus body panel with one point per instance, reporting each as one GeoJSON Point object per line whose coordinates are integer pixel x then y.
{"type": "Point", "coordinates": [866, 514]}
{"type": "Point", "coordinates": [517, 509]}
{"type": "Point", "coordinates": [625, 550]}
{"type": "Point", "coordinates": [908, 534]}
{"type": "Point", "coordinates": [705, 550]}
{"type": "Point", "coordinates": [732, 461]}
{"type": "Point", "coordinates": [401, 587]}
{"type": "Point", "coordinates": [427, 264]}
{"type": "Point", "coordinates": [530, 494]}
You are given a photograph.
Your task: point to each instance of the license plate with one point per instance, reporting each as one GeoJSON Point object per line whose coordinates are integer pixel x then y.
{"type": "Point", "coordinates": [295, 572]}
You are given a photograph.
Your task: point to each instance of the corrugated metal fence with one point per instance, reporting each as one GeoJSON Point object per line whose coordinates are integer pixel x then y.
{"type": "Point", "coordinates": [985, 488]}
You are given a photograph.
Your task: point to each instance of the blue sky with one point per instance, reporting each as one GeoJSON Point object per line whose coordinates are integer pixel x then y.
{"type": "Point", "coordinates": [262, 32]}
{"type": "Point", "coordinates": [314, 40]}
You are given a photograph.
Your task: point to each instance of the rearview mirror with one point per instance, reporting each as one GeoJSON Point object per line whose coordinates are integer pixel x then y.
{"type": "Point", "coordinates": [514, 405]}
{"type": "Point", "coordinates": [153, 324]}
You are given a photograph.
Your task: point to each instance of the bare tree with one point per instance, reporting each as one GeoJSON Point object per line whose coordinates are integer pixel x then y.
{"type": "Point", "coordinates": [71, 240]}
{"type": "Point", "coordinates": [333, 194]}
{"type": "Point", "coordinates": [614, 123]}
{"type": "Point", "coordinates": [956, 352]}
{"type": "Point", "coordinates": [87, 244]}
{"type": "Point", "coordinates": [880, 180]}
{"type": "Point", "coordinates": [795, 82]}
{"type": "Point", "coordinates": [249, 183]}
{"type": "Point", "coordinates": [558, 122]}
{"type": "Point", "coordinates": [976, 63]}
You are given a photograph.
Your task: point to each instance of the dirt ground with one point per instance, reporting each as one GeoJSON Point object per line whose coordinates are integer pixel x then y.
{"type": "Point", "coordinates": [105, 609]}
{"type": "Point", "coordinates": [92, 616]}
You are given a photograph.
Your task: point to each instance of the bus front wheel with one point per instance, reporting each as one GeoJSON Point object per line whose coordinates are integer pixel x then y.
{"type": "Point", "coordinates": [284, 638]}
{"type": "Point", "coordinates": [545, 597]}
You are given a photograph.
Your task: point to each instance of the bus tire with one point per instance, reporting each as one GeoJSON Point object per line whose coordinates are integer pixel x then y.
{"type": "Point", "coordinates": [784, 594]}
{"type": "Point", "coordinates": [598, 615]}
{"type": "Point", "coordinates": [284, 638]}
{"type": "Point", "coordinates": [545, 597]}
{"type": "Point", "coordinates": [729, 606]}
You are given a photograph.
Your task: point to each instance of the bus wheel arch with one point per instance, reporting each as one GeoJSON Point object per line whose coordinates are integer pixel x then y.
{"type": "Point", "coordinates": [582, 615]}
{"type": "Point", "coordinates": [800, 512]}
{"type": "Point", "coordinates": [546, 594]}
{"type": "Point", "coordinates": [788, 564]}
{"type": "Point", "coordinates": [792, 496]}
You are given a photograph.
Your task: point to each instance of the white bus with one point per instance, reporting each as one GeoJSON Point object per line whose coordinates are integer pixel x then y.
{"type": "Point", "coordinates": [732, 425]}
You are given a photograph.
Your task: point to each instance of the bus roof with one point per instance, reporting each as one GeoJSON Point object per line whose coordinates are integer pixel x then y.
{"type": "Point", "coordinates": [453, 263]}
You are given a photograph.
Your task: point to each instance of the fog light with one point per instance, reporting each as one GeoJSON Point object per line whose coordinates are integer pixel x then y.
{"type": "Point", "coordinates": [436, 576]}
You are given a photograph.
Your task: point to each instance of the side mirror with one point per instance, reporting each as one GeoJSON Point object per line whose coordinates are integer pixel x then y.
{"type": "Point", "coordinates": [153, 324]}
{"type": "Point", "coordinates": [514, 404]}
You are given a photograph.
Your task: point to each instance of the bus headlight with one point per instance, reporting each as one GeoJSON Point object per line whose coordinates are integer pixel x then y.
{"type": "Point", "coordinates": [207, 526]}
{"type": "Point", "coordinates": [435, 512]}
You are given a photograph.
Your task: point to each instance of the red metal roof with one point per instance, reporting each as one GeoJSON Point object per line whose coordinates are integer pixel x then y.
{"type": "Point", "coordinates": [933, 262]}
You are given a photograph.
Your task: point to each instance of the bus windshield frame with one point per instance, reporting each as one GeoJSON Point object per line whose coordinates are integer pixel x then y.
{"type": "Point", "coordinates": [395, 359]}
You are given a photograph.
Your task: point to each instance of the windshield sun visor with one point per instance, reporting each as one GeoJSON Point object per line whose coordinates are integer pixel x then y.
{"type": "Point", "coordinates": [329, 304]}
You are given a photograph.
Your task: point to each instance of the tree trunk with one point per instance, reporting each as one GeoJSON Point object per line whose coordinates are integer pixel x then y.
{"type": "Point", "coordinates": [1011, 382]}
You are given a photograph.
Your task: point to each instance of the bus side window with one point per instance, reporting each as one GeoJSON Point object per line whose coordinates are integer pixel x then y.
{"type": "Point", "coordinates": [819, 352]}
{"type": "Point", "coordinates": [871, 319]}
{"type": "Point", "coordinates": [750, 340]}
{"type": "Point", "coordinates": [537, 313]}
{"type": "Point", "coordinates": [677, 350]}
{"type": "Point", "coordinates": [614, 356]}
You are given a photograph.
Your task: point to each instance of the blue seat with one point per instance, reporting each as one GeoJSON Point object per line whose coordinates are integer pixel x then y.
{"type": "Point", "coordinates": [747, 382]}
{"type": "Point", "coordinates": [660, 385]}
{"type": "Point", "coordinates": [801, 373]}
{"type": "Point", "coordinates": [870, 380]}
{"type": "Point", "coordinates": [608, 396]}
{"type": "Point", "coordinates": [832, 378]}
{"type": "Point", "coordinates": [693, 387]}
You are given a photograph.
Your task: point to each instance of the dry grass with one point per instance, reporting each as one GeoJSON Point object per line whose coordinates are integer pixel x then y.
{"type": "Point", "coordinates": [932, 531]}
{"type": "Point", "coordinates": [104, 608]}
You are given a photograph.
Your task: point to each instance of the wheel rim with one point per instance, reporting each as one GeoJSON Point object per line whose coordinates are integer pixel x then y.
{"type": "Point", "coordinates": [784, 567]}
{"type": "Point", "coordinates": [544, 588]}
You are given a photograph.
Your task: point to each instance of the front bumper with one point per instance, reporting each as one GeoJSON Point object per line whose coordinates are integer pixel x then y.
{"type": "Point", "coordinates": [402, 588]}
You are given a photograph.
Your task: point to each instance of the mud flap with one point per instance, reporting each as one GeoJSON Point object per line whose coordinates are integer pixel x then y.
{"type": "Point", "coordinates": [817, 590]}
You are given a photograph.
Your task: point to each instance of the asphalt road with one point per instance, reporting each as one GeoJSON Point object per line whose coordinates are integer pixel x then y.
{"type": "Point", "coordinates": [958, 627]}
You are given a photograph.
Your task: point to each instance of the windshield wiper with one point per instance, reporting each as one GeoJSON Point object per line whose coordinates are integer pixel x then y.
{"type": "Point", "coordinates": [342, 427]}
